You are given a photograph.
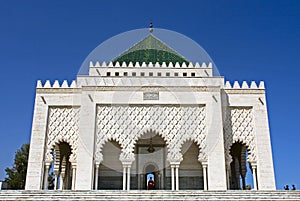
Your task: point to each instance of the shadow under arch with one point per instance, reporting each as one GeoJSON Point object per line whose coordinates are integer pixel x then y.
{"type": "Point", "coordinates": [62, 167]}
{"type": "Point", "coordinates": [202, 156]}
{"type": "Point", "coordinates": [240, 165]}
{"type": "Point", "coordinates": [190, 169]}
{"type": "Point", "coordinates": [150, 151]}
{"type": "Point", "coordinates": [147, 134]}
{"type": "Point", "coordinates": [110, 169]}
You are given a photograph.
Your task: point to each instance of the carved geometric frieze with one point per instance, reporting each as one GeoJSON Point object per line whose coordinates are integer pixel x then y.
{"type": "Point", "coordinates": [63, 124]}
{"type": "Point", "coordinates": [239, 128]}
{"type": "Point", "coordinates": [127, 123]}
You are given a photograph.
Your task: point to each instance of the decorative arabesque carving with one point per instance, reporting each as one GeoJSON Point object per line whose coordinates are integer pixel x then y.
{"type": "Point", "coordinates": [239, 128]}
{"type": "Point", "coordinates": [63, 126]}
{"type": "Point", "coordinates": [127, 123]}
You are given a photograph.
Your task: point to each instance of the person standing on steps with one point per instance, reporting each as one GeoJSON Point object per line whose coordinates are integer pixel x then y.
{"type": "Point", "coordinates": [150, 184]}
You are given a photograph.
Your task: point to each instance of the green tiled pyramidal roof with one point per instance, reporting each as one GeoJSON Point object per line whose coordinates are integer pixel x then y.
{"type": "Point", "coordinates": [150, 49]}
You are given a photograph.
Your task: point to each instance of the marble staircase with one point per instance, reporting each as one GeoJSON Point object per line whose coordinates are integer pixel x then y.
{"type": "Point", "coordinates": [150, 195]}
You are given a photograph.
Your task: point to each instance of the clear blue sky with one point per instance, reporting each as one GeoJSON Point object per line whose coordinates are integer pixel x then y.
{"type": "Point", "coordinates": [248, 40]}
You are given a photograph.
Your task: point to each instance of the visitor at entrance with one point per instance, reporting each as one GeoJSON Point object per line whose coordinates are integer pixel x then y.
{"type": "Point", "coordinates": [150, 184]}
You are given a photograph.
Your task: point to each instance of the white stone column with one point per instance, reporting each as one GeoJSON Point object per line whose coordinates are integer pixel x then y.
{"type": "Point", "coordinates": [96, 175]}
{"type": "Point", "coordinates": [177, 177]}
{"type": "Point", "coordinates": [128, 177]}
{"type": "Point", "coordinates": [60, 181]}
{"type": "Point", "coordinates": [124, 177]}
{"type": "Point", "coordinates": [47, 167]}
{"type": "Point", "coordinates": [204, 166]}
{"type": "Point", "coordinates": [73, 176]}
{"type": "Point", "coordinates": [172, 178]}
{"type": "Point", "coordinates": [254, 166]}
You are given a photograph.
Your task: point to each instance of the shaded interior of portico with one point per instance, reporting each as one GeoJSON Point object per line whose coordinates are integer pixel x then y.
{"type": "Point", "coordinates": [110, 170]}
{"type": "Point", "coordinates": [150, 161]}
{"type": "Point", "coordinates": [240, 168]}
{"type": "Point", "coordinates": [58, 174]}
{"type": "Point", "coordinates": [190, 169]}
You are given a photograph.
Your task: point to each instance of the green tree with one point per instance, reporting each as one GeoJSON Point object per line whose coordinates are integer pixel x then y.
{"type": "Point", "coordinates": [16, 175]}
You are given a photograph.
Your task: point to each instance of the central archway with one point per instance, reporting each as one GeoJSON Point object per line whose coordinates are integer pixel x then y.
{"type": "Point", "coordinates": [150, 161]}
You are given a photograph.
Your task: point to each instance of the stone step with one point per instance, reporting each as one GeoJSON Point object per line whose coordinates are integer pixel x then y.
{"type": "Point", "coordinates": [149, 195]}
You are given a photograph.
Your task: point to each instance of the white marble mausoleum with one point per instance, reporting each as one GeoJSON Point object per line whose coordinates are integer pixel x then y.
{"type": "Point", "coordinates": [150, 112]}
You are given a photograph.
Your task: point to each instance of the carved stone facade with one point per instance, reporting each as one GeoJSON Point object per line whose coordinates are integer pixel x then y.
{"type": "Point", "coordinates": [63, 125]}
{"type": "Point", "coordinates": [169, 102]}
{"type": "Point", "coordinates": [239, 128]}
{"type": "Point", "coordinates": [175, 123]}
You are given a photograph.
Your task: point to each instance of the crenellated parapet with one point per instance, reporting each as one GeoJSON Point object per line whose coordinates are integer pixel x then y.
{"type": "Point", "coordinates": [56, 84]}
{"type": "Point", "coordinates": [150, 65]}
{"type": "Point", "coordinates": [150, 69]}
{"type": "Point", "coordinates": [244, 85]}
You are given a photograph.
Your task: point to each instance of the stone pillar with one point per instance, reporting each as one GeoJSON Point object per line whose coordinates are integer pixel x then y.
{"type": "Point", "coordinates": [86, 143]}
{"type": "Point", "coordinates": [124, 177]}
{"type": "Point", "coordinates": [216, 170]}
{"type": "Point", "coordinates": [264, 169]}
{"type": "Point", "coordinates": [61, 181]}
{"type": "Point", "coordinates": [73, 176]}
{"type": "Point", "coordinates": [172, 178]}
{"type": "Point", "coordinates": [128, 177]}
{"type": "Point", "coordinates": [177, 177]}
{"type": "Point", "coordinates": [55, 179]}
{"type": "Point", "coordinates": [204, 166]}
{"type": "Point", "coordinates": [34, 176]}
{"type": "Point", "coordinates": [96, 175]}
{"type": "Point", "coordinates": [47, 167]}
{"type": "Point", "coordinates": [254, 167]}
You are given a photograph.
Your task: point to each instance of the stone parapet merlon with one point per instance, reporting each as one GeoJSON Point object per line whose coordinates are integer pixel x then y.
{"type": "Point", "coordinates": [150, 70]}
{"type": "Point", "coordinates": [151, 65]}
{"type": "Point", "coordinates": [244, 85]}
{"type": "Point", "coordinates": [56, 84]}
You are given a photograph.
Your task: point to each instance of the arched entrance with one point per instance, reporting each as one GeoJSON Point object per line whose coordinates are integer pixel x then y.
{"type": "Point", "coordinates": [190, 169]}
{"type": "Point", "coordinates": [240, 168]}
{"type": "Point", "coordinates": [110, 169]}
{"type": "Point", "coordinates": [62, 166]}
{"type": "Point", "coordinates": [152, 174]}
{"type": "Point", "coordinates": [150, 161]}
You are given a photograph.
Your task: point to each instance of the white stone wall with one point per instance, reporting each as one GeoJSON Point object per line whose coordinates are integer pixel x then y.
{"type": "Point", "coordinates": [249, 122]}
{"type": "Point", "coordinates": [177, 108]}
